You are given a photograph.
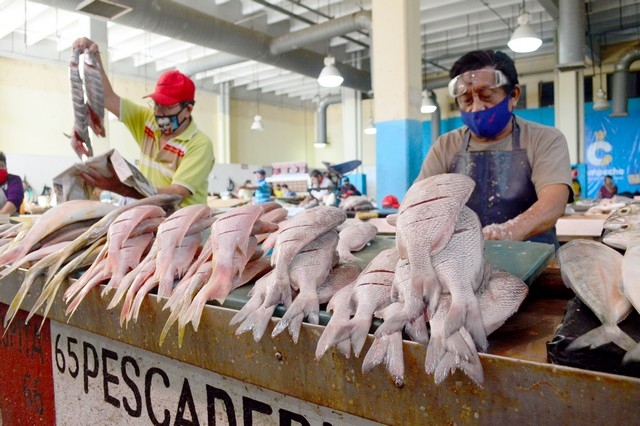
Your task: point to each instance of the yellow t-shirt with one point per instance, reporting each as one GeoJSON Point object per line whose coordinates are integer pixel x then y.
{"type": "Point", "coordinates": [186, 159]}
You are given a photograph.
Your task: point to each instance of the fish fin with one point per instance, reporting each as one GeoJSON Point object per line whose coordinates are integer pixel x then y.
{"type": "Point", "coordinates": [601, 336]}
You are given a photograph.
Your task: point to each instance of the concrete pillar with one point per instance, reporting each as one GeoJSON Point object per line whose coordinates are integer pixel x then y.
{"type": "Point", "coordinates": [397, 87]}
{"type": "Point", "coordinates": [569, 111]}
{"type": "Point", "coordinates": [222, 148]}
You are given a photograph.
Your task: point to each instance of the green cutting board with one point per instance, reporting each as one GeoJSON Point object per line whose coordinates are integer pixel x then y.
{"type": "Point", "coordinates": [526, 260]}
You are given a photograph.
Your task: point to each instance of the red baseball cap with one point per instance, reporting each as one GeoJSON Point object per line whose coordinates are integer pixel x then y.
{"type": "Point", "coordinates": [173, 87]}
{"type": "Point", "coordinates": [390, 201]}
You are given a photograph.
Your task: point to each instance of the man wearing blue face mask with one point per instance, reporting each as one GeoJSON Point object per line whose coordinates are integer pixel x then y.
{"type": "Point", "coordinates": [176, 157]}
{"type": "Point", "coordinates": [521, 169]}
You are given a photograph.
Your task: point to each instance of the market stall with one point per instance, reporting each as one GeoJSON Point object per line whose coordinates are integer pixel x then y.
{"type": "Point", "coordinates": [122, 375]}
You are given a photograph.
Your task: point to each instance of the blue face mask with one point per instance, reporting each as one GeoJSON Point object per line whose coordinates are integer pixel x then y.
{"type": "Point", "coordinates": [169, 123]}
{"type": "Point", "coordinates": [489, 122]}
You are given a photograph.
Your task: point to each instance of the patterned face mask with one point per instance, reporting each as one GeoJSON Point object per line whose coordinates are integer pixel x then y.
{"type": "Point", "coordinates": [170, 123]}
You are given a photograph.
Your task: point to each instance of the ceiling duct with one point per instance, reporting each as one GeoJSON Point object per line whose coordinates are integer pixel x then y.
{"type": "Point", "coordinates": [322, 118]}
{"type": "Point", "coordinates": [620, 91]}
{"type": "Point", "coordinates": [103, 8]}
{"type": "Point", "coordinates": [174, 20]}
{"type": "Point", "coordinates": [571, 39]}
{"type": "Point", "coordinates": [325, 31]}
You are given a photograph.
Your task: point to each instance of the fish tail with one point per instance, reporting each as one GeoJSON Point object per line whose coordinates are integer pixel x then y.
{"type": "Point", "coordinates": [466, 315]}
{"type": "Point", "coordinates": [633, 355]}
{"type": "Point", "coordinates": [435, 353]}
{"type": "Point", "coordinates": [459, 355]}
{"type": "Point", "coordinates": [257, 322]}
{"type": "Point", "coordinates": [417, 330]}
{"type": "Point", "coordinates": [393, 324]}
{"type": "Point", "coordinates": [333, 335]}
{"type": "Point", "coordinates": [601, 336]}
{"type": "Point", "coordinates": [387, 349]}
{"type": "Point", "coordinates": [294, 328]}
{"type": "Point", "coordinates": [359, 331]}
{"type": "Point", "coordinates": [194, 312]}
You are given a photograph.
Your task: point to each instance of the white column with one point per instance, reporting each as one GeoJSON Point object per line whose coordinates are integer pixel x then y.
{"type": "Point", "coordinates": [222, 143]}
{"type": "Point", "coordinates": [569, 111]}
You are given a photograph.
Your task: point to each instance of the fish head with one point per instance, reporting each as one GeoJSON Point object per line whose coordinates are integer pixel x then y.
{"type": "Point", "coordinates": [624, 218]}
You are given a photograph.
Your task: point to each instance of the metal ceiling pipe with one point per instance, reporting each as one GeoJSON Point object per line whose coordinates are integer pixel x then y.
{"type": "Point", "coordinates": [180, 22]}
{"type": "Point", "coordinates": [210, 62]}
{"type": "Point", "coordinates": [321, 128]}
{"type": "Point", "coordinates": [620, 94]}
{"type": "Point", "coordinates": [325, 31]}
{"type": "Point", "coordinates": [571, 28]}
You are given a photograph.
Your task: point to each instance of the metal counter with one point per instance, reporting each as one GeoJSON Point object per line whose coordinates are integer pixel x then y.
{"type": "Point", "coordinates": [520, 387]}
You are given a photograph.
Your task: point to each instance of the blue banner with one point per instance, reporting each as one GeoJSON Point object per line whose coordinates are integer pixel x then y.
{"type": "Point", "coordinates": [612, 147]}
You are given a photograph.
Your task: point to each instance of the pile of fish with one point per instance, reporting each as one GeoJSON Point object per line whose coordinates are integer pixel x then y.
{"type": "Point", "coordinates": [607, 281]}
{"type": "Point", "coordinates": [436, 274]}
{"type": "Point", "coordinates": [434, 285]}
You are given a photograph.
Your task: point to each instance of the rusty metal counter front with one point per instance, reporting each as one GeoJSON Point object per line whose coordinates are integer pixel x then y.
{"type": "Point", "coordinates": [516, 390]}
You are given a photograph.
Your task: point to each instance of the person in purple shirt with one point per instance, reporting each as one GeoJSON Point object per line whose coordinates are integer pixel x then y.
{"type": "Point", "coordinates": [11, 190]}
{"type": "Point", "coordinates": [609, 189]}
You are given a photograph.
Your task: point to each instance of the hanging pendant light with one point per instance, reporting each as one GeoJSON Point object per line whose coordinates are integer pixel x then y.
{"type": "Point", "coordinates": [330, 76]}
{"type": "Point", "coordinates": [601, 103]}
{"type": "Point", "coordinates": [428, 106]}
{"type": "Point", "coordinates": [371, 127]}
{"type": "Point", "coordinates": [257, 123]}
{"type": "Point", "coordinates": [524, 39]}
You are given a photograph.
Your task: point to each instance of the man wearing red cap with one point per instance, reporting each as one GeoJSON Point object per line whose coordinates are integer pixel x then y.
{"type": "Point", "coordinates": [175, 156]}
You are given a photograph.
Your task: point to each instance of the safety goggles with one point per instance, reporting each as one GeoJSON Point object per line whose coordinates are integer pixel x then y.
{"type": "Point", "coordinates": [477, 80]}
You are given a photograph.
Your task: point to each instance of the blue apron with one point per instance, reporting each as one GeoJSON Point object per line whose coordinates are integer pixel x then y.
{"type": "Point", "coordinates": [503, 183]}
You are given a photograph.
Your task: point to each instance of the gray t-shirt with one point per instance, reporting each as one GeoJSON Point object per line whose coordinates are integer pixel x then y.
{"type": "Point", "coordinates": [546, 147]}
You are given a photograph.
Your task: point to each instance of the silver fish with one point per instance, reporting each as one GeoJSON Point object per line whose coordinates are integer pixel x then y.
{"type": "Point", "coordinates": [594, 272]}
{"type": "Point", "coordinates": [622, 227]}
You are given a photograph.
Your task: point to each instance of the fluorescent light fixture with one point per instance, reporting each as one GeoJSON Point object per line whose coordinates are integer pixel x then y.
{"type": "Point", "coordinates": [371, 127]}
{"type": "Point", "coordinates": [319, 145]}
{"type": "Point", "coordinates": [257, 123]}
{"type": "Point", "coordinates": [428, 106]}
{"type": "Point", "coordinates": [524, 39]}
{"type": "Point", "coordinates": [601, 103]}
{"type": "Point", "coordinates": [330, 76]}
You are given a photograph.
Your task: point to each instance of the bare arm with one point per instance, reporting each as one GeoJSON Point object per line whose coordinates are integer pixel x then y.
{"type": "Point", "coordinates": [111, 99]}
{"type": "Point", "coordinates": [8, 208]}
{"type": "Point", "coordinates": [538, 218]}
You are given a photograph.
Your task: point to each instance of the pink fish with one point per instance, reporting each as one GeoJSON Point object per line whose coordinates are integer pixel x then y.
{"type": "Point", "coordinates": [308, 270]}
{"type": "Point", "coordinates": [54, 219]}
{"type": "Point", "coordinates": [425, 223]}
{"type": "Point", "coordinates": [229, 236]}
{"type": "Point", "coordinates": [353, 238]}
{"type": "Point", "coordinates": [371, 292]}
